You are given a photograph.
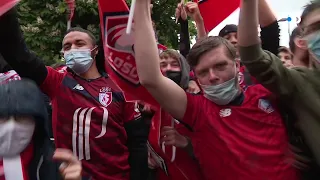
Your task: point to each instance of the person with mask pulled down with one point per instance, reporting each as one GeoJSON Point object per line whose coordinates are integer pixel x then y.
{"type": "Point", "coordinates": [171, 156]}
{"type": "Point", "coordinates": [238, 133]}
{"type": "Point", "coordinates": [297, 87]}
{"type": "Point", "coordinates": [88, 108]}
{"type": "Point", "coordinates": [26, 151]}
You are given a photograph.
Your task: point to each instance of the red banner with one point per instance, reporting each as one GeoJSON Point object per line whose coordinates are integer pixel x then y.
{"type": "Point", "coordinates": [119, 50]}
{"type": "Point", "coordinates": [215, 11]}
{"type": "Point", "coordinates": [6, 5]}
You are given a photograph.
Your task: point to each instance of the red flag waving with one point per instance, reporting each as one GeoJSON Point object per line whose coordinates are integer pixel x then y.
{"type": "Point", "coordinates": [119, 52]}
{"type": "Point", "coordinates": [6, 5]}
{"type": "Point", "coordinates": [215, 11]}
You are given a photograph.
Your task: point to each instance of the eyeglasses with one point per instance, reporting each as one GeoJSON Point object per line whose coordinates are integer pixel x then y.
{"type": "Point", "coordinates": [311, 29]}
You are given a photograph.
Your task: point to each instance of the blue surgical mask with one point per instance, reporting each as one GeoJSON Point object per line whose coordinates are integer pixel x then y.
{"type": "Point", "coordinates": [79, 60]}
{"type": "Point", "coordinates": [224, 93]}
{"type": "Point", "coordinates": [314, 46]}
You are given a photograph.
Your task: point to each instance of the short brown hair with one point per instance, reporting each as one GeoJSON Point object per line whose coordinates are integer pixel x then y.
{"type": "Point", "coordinates": [308, 9]}
{"type": "Point", "coordinates": [285, 50]}
{"type": "Point", "coordinates": [170, 53]}
{"type": "Point", "coordinates": [207, 44]}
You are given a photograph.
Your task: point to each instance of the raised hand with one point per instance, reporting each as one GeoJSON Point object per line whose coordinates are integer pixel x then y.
{"type": "Point", "coordinates": [180, 12]}
{"type": "Point", "coordinates": [193, 11]}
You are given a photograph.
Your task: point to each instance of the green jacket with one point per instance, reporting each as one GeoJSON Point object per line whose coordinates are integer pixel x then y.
{"type": "Point", "coordinates": [298, 87]}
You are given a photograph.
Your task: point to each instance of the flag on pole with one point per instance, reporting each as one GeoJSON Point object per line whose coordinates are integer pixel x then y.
{"type": "Point", "coordinates": [119, 50]}
{"type": "Point", "coordinates": [6, 5]}
{"type": "Point", "coordinates": [71, 6]}
{"type": "Point", "coordinates": [215, 11]}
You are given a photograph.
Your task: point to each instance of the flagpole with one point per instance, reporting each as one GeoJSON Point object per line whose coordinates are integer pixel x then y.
{"type": "Point", "coordinates": [130, 19]}
{"type": "Point", "coordinates": [68, 24]}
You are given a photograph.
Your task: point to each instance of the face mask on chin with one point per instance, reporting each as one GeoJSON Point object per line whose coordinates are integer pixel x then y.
{"type": "Point", "coordinates": [79, 60]}
{"type": "Point", "coordinates": [15, 136]}
{"type": "Point", "coordinates": [175, 76]}
{"type": "Point", "coordinates": [224, 93]}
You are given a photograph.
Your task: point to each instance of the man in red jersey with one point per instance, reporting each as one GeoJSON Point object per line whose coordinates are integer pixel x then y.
{"type": "Point", "coordinates": [90, 114]}
{"type": "Point", "coordinates": [237, 134]}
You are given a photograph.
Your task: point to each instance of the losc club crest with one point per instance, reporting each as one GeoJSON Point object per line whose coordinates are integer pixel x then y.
{"type": "Point", "coordinates": [119, 48]}
{"type": "Point", "coordinates": [105, 98]}
{"type": "Point", "coordinates": [265, 105]}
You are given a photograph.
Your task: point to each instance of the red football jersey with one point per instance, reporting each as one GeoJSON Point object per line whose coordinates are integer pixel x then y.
{"type": "Point", "coordinates": [245, 142]}
{"type": "Point", "coordinates": [177, 163]}
{"type": "Point", "coordinates": [88, 118]}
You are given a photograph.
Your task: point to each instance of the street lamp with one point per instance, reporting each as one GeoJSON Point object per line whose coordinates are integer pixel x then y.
{"type": "Point", "coordinates": [287, 19]}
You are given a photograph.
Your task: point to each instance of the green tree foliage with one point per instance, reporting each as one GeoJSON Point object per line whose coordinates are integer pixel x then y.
{"type": "Point", "coordinates": [45, 22]}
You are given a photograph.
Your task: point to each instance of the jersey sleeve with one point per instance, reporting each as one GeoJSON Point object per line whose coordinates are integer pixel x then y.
{"type": "Point", "coordinates": [193, 109]}
{"type": "Point", "coordinates": [52, 82]}
{"type": "Point", "coordinates": [131, 112]}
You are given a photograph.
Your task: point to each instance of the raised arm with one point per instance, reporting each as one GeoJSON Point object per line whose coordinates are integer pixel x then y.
{"type": "Point", "coordinates": [263, 65]}
{"type": "Point", "coordinates": [170, 96]}
{"type": "Point", "coordinates": [270, 31]}
{"type": "Point", "coordinates": [15, 51]}
{"type": "Point", "coordinates": [193, 11]}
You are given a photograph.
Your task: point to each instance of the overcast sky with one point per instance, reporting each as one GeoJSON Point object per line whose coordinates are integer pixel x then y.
{"type": "Point", "coordinates": [282, 9]}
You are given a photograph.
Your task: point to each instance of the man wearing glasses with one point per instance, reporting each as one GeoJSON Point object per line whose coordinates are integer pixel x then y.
{"type": "Point", "coordinates": [299, 87]}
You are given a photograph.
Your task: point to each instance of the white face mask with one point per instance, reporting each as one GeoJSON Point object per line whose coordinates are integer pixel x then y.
{"type": "Point", "coordinates": [223, 93]}
{"type": "Point", "coordinates": [79, 60]}
{"type": "Point", "coordinates": [15, 136]}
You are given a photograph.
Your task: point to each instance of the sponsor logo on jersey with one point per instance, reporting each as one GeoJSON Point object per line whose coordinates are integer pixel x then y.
{"type": "Point", "coordinates": [225, 112]}
{"type": "Point", "coordinates": [265, 106]}
{"type": "Point", "coordinates": [78, 87]}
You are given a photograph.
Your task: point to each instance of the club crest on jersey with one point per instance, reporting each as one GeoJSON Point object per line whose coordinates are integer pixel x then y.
{"type": "Point", "coordinates": [225, 112]}
{"type": "Point", "coordinates": [105, 98]}
{"type": "Point", "coordinates": [266, 106]}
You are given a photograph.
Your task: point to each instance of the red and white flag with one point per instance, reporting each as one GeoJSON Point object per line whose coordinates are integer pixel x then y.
{"type": "Point", "coordinates": [215, 11]}
{"type": "Point", "coordinates": [119, 52]}
{"type": "Point", "coordinates": [6, 5]}
{"type": "Point", "coordinates": [71, 6]}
